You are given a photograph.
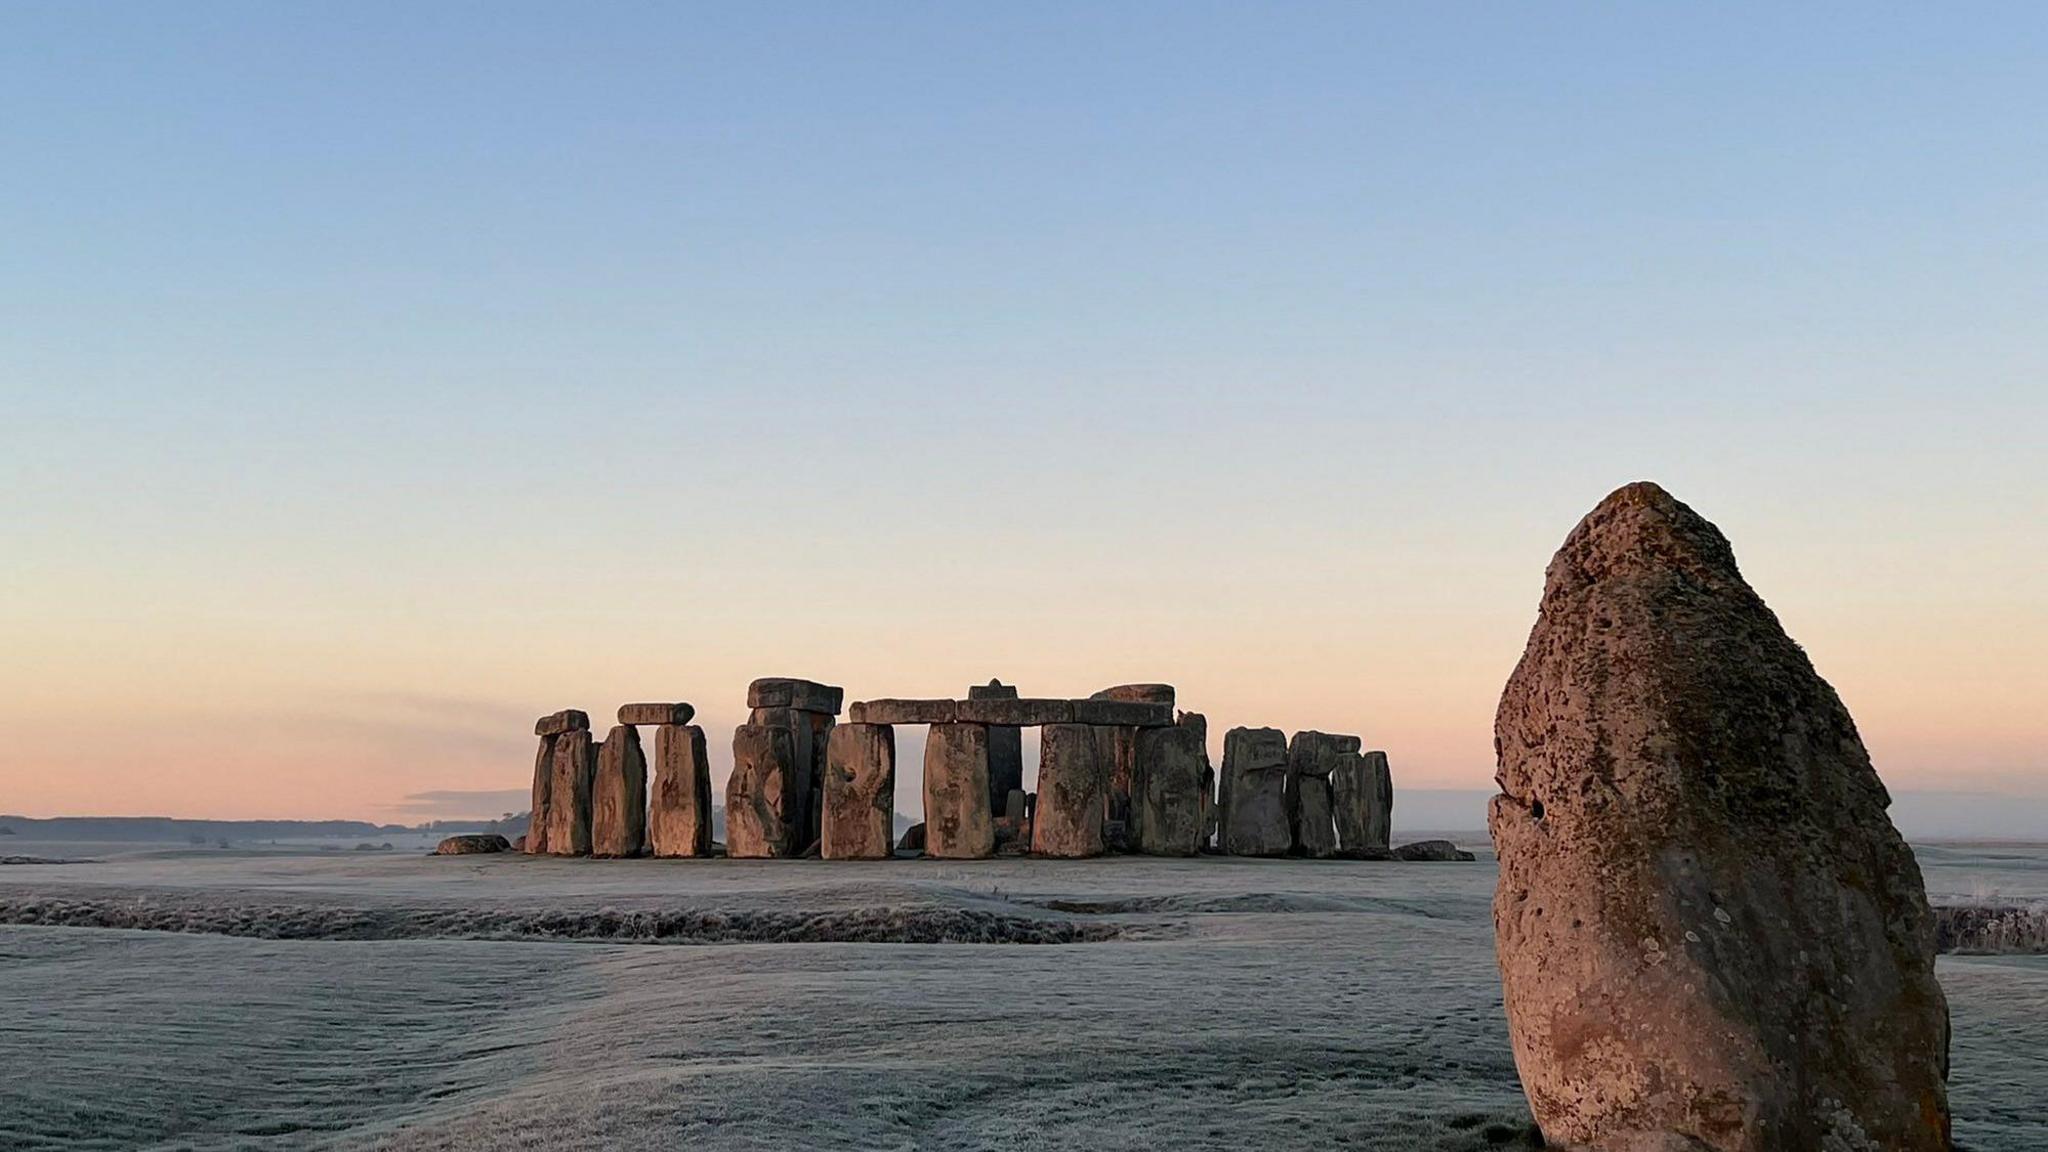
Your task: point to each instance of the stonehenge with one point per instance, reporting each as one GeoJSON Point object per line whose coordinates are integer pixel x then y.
{"type": "Point", "coordinates": [1710, 934]}
{"type": "Point", "coordinates": [1119, 771]}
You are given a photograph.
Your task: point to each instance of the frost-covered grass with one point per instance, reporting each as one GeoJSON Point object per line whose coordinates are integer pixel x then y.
{"type": "Point", "coordinates": [1246, 1004]}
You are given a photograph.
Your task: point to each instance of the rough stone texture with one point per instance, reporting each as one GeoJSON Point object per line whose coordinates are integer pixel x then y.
{"type": "Point", "coordinates": [1437, 850]}
{"type": "Point", "coordinates": [1138, 694]}
{"type": "Point", "coordinates": [1200, 724]}
{"type": "Point", "coordinates": [556, 723]}
{"type": "Point", "coordinates": [860, 793]}
{"type": "Point", "coordinates": [679, 814]}
{"type": "Point", "coordinates": [1026, 712]}
{"type": "Point", "coordinates": [1116, 757]}
{"type": "Point", "coordinates": [535, 841]}
{"type": "Point", "coordinates": [472, 844]}
{"type": "Point", "coordinates": [573, 766]}
{"type": "Point", "coordinates": [902, 712]}
{"type": "Point", "coordinates": [814, 804]}
{"type": "Point", "coordinates": [1016, 806]}
{"type": "Point", "coordinates": [656, 714]}
{"type": "Point", "coordinates": [1168, 804]}
{"type": "Point", "coordinates": [913, 839]}
{"type": "Point", "coordinates": [1710, 935]}
{"type": "Point", "coordinates": [519, 844]}
{"type": "Point", "coordinates": [1005, 746]}
{"type": "Point", "coordinates": [1311, 756]}
{"type": "Point", "coordinates": [802, 695]}
{"type": "Point", "coordinates": [618, 796]}
{"type": "Point", "coordinates": [1362, 797]}
{"type": "Point", "coordinates": [957, 821]}
{"type": "Point", "coordinates": [757, 794]}
{"type": "Point", "coordinates": [1314, 834]}
{"type": "Point", "coordinates": [1122, 713]}
{"type": "Point", "coordinates": [803, 800]}
{"type": "Point", "coordinates": [1254, 814]}
{"type": "Point", "coordinates": [1067, 816]}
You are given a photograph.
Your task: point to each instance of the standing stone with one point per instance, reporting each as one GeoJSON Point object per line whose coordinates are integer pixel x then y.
{"type": "Point", "coordinates": [1315, 833]}
{"type": "Point", "coordinates": [568, 818]}
{"type": "Point", "coordinates": [1005, 747]}
{"type": "Point", "coordinates": [1711, 938]}
{"type": "Point", "coordinates": [1255, 791]}
{"type": "Point", "coordinates": [860, 793]}
{"type": "Point", "coordinates": [957, 822]}
{"type": "Point", "coordinates": [535, 842]}
{"type": "Point", "coordinates": [1362, 796]}
{"type": "Point", "coordinates": [1379, 810]}
{"type": "Point", "coordinates": [808, 732]}
{"type": "Point", "coordinates": [679, 815]}
{"type": "Point", "coordinates": [1116, 750]}
{"type": "Point", "coordinates": [1067, 816]}
{"type": "Point", "coordinates": [814, 807]}
{"type": "Point", "coordinates": [1168, 803]}
{"type": "Point", "coordinates": [618, 796]}
{"type": "Point", "coordinates": [757, 794]}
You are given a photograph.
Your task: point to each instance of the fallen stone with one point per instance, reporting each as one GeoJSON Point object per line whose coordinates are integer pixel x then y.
{"type": "Point", "coordinates": [656, 714]}
{"type": "Point", "coordinates": [957, 822]}
{"type": "Point", "coordinates": [1169, 791]}
{"type": "Point", "coordinates": [1122, 713]}
{"type": "Point", "coordinates": [542, 805]}
{"type": "Point", "coordinates": [1254, 813]}
{"type": "Point", "coordinates": [1710, 935]}
{"type": "Point", "coordinates": [913, 839]}
{"type": "Point", "coordinates": [472, 844]}
{"type": "Point", "coordinates": [519, 844]}
{"type": "Point", "coordinates": [618, 796]}
{"type": "Point", "coordinates": [679, 813]}
{"type": "Point", "coordinates": [757, 794]}
{"type": "Point", "coordinates": [802, 695]}
{"type": "Point", "coordinates": [902, 712]}
{"type": "Point", "coordinates": [1024, 713]}
{"type": "Point", "coordinates": [860, 793]}
{"type": "Point", "coordinates": [574, 766]}
{"type": "Point", "coordinates": [1431, 850]}
{"type": "Point", "coordinates": [1016, 806]}
{"type": "Point", "coordinates": [1138, 694]}
{"type": "Point", "coordinates": [1067, 820]}
{"type": "Point", "coordinates": [556, 723]}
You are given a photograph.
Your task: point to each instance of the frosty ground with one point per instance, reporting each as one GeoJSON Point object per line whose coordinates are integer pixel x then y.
{"type": "Point", "coordinates": [505, 1002]}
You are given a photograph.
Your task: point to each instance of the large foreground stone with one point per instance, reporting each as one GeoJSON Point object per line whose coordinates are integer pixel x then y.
{"type": "Point", "coordinates": [758, 793]}
{"type": "Point", "coordinates": [679, 813]}
{"type": "Point", "coordinates": [957, 822]}
{"type": "Point", "coordinates": [1253, 815]}
{"type": "Point", "coordinates": [1711, 938]}
{"type": "Point", "coordinates": [618, 796]}
{"type": "Point", "coordinates": [1067, 818]}
{"type": "Point", "coordinates": [860, 793]}
{"type": "Point", "coordinates": [573, 767]}
{"type": "Point", "coordinates": [1168, 803]}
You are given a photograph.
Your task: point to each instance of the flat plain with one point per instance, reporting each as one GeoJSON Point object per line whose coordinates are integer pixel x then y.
{"type": "Point", "coordinates": [195, 999]}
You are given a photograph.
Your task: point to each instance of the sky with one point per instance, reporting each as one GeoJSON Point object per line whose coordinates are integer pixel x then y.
{"type": "Point", "coordinates": [378, 377]}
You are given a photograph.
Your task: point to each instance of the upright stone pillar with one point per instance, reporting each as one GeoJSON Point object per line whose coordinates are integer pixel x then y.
{"type": "Point", "coordinates": [860, 793]}
{"type": "Point", "coordinates": [1379, 812]}
{"type": "Point", "coordinates": [1255, 792]}
{"type": "Point", "coordinates": [1362, 796]}
{"type": "Point", "coordinates": [1116, 749]}
{"type": "Point", "coordinates": [1168, 803]}
{"type": "Point", "coordinates": [1311, 756]}
{"type": "Point", "coordinates": [550, 729]}
{"type": "Point", "coordinates": [957, 822]}
{"type": "Point", "coordinates": [568, 818]}
{"type": "Point", "coordinates": [757, 794]}
{"type": "Point", "coordinates": [1005, 747]}
{"type": "Point", "coordinates": [618, 796]}
{"type": "Point", "coordinates": [805, 708]}
{"type": "Point", "coordinates": [679, 816]}
{"type": "Point", "coordinates": [1067, 816]}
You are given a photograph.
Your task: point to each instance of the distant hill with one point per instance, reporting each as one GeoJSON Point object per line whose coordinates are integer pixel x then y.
{"type": "Point", "coordinates": [166, 829]}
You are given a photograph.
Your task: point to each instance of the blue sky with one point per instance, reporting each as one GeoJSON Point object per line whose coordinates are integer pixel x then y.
{"type": "Point", "coordinates": [356, 349]}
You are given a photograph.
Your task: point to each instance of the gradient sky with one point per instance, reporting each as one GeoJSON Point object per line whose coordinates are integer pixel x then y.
{"type": "Point", "coordinates": [377, 377]}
